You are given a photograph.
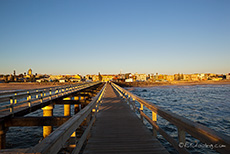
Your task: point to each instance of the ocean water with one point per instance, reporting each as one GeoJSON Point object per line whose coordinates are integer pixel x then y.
{"type": "Point", "coordinates": [25, 137]}
{"type": "Point", "coordinates": [208, 105]}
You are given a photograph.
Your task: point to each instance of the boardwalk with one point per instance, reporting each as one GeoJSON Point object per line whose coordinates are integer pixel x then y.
{"type": "Point", "coordinates": [116, 127]}
{"type": "Point", "coordinates": [118, 130]}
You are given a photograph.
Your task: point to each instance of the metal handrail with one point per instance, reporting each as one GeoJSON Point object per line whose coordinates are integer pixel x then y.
{"type": "Point", "coordinates": [198, 131]}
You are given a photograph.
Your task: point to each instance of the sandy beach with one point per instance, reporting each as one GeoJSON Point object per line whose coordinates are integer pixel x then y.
{"type": "Point", "coordinates": [173, 83]}
{"type": "Point", "coordinates": [17, 86]}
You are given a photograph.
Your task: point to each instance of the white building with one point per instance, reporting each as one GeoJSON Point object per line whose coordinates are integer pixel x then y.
{"type": "Point", "coordinates": [141, 77]}
{"type": "Point", "coordinates": [228, 76]}
{"type": "Point", "coordinates": [129, 80]}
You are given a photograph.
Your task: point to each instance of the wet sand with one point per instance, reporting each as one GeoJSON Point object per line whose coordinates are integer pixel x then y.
{"type": "Point", "coordinates": [17, 86]}
{"type": "Point", "coordinates": [200, 82]}
{"type": "Point", "coordinates": [173, 83]}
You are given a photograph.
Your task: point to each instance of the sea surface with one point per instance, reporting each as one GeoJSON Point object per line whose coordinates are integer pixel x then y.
{"type": "Point", "coordinates": [208, 105]}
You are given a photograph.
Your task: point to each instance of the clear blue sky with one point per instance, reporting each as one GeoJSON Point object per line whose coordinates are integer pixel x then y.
{"type": "Point", "coordinates": [91, 36]}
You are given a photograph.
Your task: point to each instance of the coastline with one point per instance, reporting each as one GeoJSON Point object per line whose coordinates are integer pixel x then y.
{"type": "Point", "coordinates": [16, 86]}
{"type": "Point", "coordinates": [173, 83]}
{"type": "Point", "coordinates": [26, 85]}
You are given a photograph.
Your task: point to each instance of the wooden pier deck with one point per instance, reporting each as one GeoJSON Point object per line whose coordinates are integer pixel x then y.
{"type": "Point", "coordinates": [117, 129]}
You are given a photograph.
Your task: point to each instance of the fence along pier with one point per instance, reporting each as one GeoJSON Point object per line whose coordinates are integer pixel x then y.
{"type": "Point", "coordinates": [108, 125]}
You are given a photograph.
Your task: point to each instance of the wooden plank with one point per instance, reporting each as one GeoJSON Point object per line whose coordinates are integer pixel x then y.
{"type": "Point", "coordinates": [118, 130]}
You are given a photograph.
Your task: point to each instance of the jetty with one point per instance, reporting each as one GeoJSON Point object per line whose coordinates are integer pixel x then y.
{"type": "Point", "coordinates": [106, 119]}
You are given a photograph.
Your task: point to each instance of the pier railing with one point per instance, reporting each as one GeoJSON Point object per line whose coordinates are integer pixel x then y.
{"type": "Point", "coordinates": [218, 141]}
{"type": "Point", "coordinates": [12, 100]}
{"type": "Point", "coordinates": [59, 138]}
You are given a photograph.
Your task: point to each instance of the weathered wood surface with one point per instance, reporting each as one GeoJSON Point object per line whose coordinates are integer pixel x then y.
{"type": "Point", "coordinates": [118, 130]}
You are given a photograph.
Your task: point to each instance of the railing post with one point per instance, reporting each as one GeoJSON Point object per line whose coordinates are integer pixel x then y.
{"type": "Point", "coordinates": [50, 94]}
{"type": "Point", "coordinates": [56, 93]}
{"type": "Point", "coordinates": [134, 105]}
{"type": "Point", "coordinates": [29, 100]}
{"type": "Point", "coordinates": [12, 105]}
{"type": "Point", "coordinates": [15, 100]}
{"type": "Point", "coordinates": [59, 90]}
{"type": "Point", "coordinates": [154, 118]}
{"type": "Point", "coordinates": [66, 90]}
{"type": "Point", "coordinates": [181, 135]}
{"type": "Point", "coordinates": [36, 94]}
{"type": "Point", "coordinates": [142, 107]}
{"type": "Point", "coordinates": [44, 92]}
{"type": "Point", "coordinates": [141, 110]}
{"type": "Point", "coordinates": [41, 99]}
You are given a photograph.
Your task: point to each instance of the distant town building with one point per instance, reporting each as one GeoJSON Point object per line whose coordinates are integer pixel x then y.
{"type": "Point", "coordinates": [187, 77]}
{"type": "Point", "coordinates": [95, 78]}
{"type": "Point", "coordinates": [170, 77]}
{"type": "Point", "coordinates": [161, 77]}
{"type": "Point", "coordinates": [141, 77]}
{"type": "Point", "coordinates": [228, 76]}
{"type": "Point", "coordinates": [10, 78]}
{"type": "Point", "coordinates": [119, 78]}
{"type": "Point", "coordinates": [129, 80]}
{"type": "Point", "coordinates": [194, 77]}
{"type": "Point", "coordinates": [29, 72]}
{"type": "Point", "coordinates": [106, 78]}
{"type": "Point", "coordinates": [62, 80]}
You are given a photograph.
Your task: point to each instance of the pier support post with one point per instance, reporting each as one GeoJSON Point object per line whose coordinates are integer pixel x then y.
{"type": "Point", "coordinates": [82, 104]}
{"type": "Point", "coordinates": [76, 106]}
{"type": "Point", "coordinates": [47, 111]}
{"type": "Point", "coordinates": [67, 110]}
{"type": "Point", "coordinates": [2, 136]}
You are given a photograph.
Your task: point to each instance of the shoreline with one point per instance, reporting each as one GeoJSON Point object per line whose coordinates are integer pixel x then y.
{"type": "Point", "coordinates": [17, 86]}
{"type": "Point", "coordinates": [26, 85]}
{"type": "Point", "coordinates": [173, 83]}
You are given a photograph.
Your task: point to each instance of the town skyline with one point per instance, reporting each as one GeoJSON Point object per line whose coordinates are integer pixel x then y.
{"type": "Point", "coordinates": [95, 73]}
{"type": "Point", "coordinates": [31, 76]}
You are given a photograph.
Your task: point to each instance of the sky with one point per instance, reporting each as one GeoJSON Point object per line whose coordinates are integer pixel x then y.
{"type": "Point", "coordinates": [113, 36]}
